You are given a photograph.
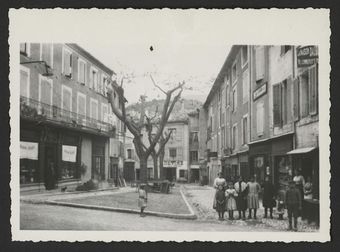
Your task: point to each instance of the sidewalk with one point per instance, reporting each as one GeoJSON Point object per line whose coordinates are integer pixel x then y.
{"type": "Point", "coordinates": [201, 198]}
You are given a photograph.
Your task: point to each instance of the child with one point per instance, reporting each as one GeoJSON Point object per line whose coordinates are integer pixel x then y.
{"type": "Point", "coordinates": [281, 202]}
{"type": "Point", "coordinates": [220, 202]}
{"type": "Point", "coordinates": [142, 200]}
{"type": "Point", "coordinates": [293, 203]}
{"type": "Point", "coordinates": [231, 202]}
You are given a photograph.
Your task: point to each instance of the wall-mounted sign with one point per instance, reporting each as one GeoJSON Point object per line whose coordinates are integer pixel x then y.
{"type": "Point", "coordinates": [29, 150]}
{"type": "Point", "coordinates": [306, 56]}
{"type": "Point", "coordinates": [172, 163]}
{"type": "Point", "coordinates": [260, 91]}
{"type": "Point", "coordinates": [69, 153]}
{"type": "Point", "coordinates": [212, 154]}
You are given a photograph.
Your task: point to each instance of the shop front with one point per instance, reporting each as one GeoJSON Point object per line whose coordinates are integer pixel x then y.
{"type": "Point", "coordinates": [260, 160]}
{"type": "Point", "coordinates": [48, 156]}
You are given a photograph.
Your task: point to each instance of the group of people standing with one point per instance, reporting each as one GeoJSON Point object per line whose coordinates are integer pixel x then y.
{"type": "Point", "coordinates": [241, 196]}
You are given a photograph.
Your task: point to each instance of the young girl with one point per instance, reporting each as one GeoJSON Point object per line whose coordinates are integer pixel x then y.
{"type": "Point", "coordinates": [220, 202]}
{"type": "Point", "coordinates": [231, 202]}
{"type": "Point", "coordinates": [142, 200]}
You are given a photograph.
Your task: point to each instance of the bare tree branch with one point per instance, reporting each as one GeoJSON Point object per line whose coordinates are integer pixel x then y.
{"type": "Point", "coordinates": [154, 83]}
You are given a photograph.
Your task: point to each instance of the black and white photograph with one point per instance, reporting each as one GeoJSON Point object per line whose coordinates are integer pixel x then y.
{"type": "Point", "coordinates": [200, 124]}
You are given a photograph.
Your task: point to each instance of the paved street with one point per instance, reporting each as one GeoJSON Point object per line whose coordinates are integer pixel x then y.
{"type": "Point", "coordinates": [46, 217]}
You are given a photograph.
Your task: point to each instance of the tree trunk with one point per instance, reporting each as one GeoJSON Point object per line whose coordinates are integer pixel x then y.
{"type": "Point", "coordinates": [155, 166]}
{"type": "Point", "coordinates": [161, 169]}
{"type": "Point", "coordinates": [143, 162]}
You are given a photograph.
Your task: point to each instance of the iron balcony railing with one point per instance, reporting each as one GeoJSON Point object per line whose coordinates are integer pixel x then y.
{"type": "Point", "coordinates": [33, 109]}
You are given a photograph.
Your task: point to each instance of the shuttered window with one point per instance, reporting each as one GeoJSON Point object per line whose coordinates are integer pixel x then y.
{"type": "Point", "coordinates": [67, 63]}
{"type": "Point", "coordinates": [277, 105]}
{"type": "Point", "coordinates": [47, 53]}
{"type": "Point", "coordinates": [259, 63]}
{"type": "Point", "coordinates": [81, 71]}
{"type": "Point", "coordinates": [245, 86]}
{"type": "Point", "coordinates": [259, 118]}
{"type": "Point", "coordinates": [313, 93]}
{"type": "Point", "coordinates": [304, 101]}
{"type": "Point", "coordinates": [296, 99]}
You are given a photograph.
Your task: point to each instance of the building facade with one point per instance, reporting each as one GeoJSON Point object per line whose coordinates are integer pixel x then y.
{"type": "Point", "coordinates": [194, 153]}
{"type": "Point", "coordinates": [262, 115]}
{"type": "Point", "coordinates": [67, 128]}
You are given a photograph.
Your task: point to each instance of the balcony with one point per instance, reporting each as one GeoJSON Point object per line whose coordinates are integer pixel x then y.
{"type": "Point", "coordinates": [34, 110]}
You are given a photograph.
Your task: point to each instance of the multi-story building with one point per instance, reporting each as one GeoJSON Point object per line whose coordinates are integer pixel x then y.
{"type": "Point", "coordinates": [227, 107]}
{"type": "Point", "coordinates": [262, 114]}
{"type": "Point", "coordinates": [194, 153]}
{"type": "Point", "coordinates": [66, 122]}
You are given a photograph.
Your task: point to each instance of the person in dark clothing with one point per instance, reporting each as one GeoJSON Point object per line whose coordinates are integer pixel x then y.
{"type": "Point", "coordinates": [293, 203]}
{"type": "Point", "coordinates": [268, 197]}
{"type": "Point", "coordinates": [220, 199]}
{"type": "Point", "coordinates": [241, 199]}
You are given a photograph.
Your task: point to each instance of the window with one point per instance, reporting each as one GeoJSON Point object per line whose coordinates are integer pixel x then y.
{"type": "Point", "coordinates": [245, 86]}
{"type": "Point", "coordinates": [309, 88]}
{"type": "Point", "coordinates": [81, 71]}
{"type": "Point", "coordinates": [129, 153]}
{"type": "Point", "coordinates": [45, 90]}
{"type": "Point", "coordinates": [244, 130]}
{"type": "Point", "coordinates": [259, 118]}
{"type": "Point", "coordinates": [181, 173]}
{"type": "Point", "coordinates": [285, 49]}
{"type": "Point", "coordinates": [234, 74]}
{"type": "Point", "coordinates": [172, 152]}
{"type": "Point", "coordinates": [104, 85]}
{"type": "Point", "coordinates": [244, 55]}
{"type": "Point", "coordinates": [81, 108]}
{"type": "Point", "coordinates": [24, 82]}
{"type": "Point", "coordinates": [234, 136]}
{"type": "Point", "coordinates": [66, 101]}
{"type": "Point", "coordinates": [46, 54]}
{"type": "Point", "coordinates": [67, 63]}
{"type": "Point", "coordinates": [193, 156]}
{"type": "Point", "coordinates": [94, 79]}
{"type": "Point", "coordinates": [227, 98]}
{"type": "Point", "coordinates": [173, 134]}
{"type": "Point", "coordinates": [193, 137]}
{"type": "Point", "coordinates": [94, 109]}
{"type": "Point", "coordinates": [281, 103]}
{"type": "Point", "coordinates": [25, 49]}
{"type": "Point", "coordinates": [234, 98]}
{"type": "Point", "coordinates": [259, 63]}
{"type": "Point", "coordinates": [104, 116]}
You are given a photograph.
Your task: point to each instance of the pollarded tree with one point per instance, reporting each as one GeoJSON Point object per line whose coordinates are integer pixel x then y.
{"type": "Point", "coordinates": [136, 126]}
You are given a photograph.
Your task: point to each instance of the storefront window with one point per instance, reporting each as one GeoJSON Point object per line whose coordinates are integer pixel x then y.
{"type": "Point", "coordinates": [68, 170]}
{"type": "Point", "coordinates": [259, 169]}
{"type": "Point", "coordinates": [284, 170]}
{"type": "Point", "coordinates": [29, 171]}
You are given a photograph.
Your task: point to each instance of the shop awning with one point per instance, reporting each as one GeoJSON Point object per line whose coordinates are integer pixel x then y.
{"type": "Point", "coordinates": [301, 150]}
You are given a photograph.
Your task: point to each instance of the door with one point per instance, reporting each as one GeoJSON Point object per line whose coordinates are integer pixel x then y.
{"type": "Point", "coordinates": [170, 174]}
{"type": "Point", "coordinates": [50, 163]}
{"type": "Point", "coordinates": [98, 168]}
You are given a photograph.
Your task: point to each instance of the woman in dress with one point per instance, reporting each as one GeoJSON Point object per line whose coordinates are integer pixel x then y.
{"type": "Point", "coordinates": [268, 197]}
{"type": "Point", "coordinates": [220, 202]}
{"type": "Point", "coordinates": [231, 202]}
{"type": "Point", "coordinates": [253, 196]}
{"type": "Point", "coordinates": [217, 182]}
{"type": "Point", "coordinates": [299, 181]}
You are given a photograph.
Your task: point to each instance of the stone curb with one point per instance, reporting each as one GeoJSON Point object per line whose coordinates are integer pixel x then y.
{"type": "Point", "coordinates": [121, 210]}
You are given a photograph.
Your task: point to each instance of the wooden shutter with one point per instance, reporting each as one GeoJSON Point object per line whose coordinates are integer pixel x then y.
{"type": "Point", "coordinates": [259, 62]}
{"type": "Point", "coordinates": [277, 104]}
{"type": "Point", "coordinates": [179, 153]}
{"type": "Point", "coordinates": [296, 101]}
{"type": "Point", "coordinates": [289, 100]}
{"type": "Point", "coordinates": [313, 92]}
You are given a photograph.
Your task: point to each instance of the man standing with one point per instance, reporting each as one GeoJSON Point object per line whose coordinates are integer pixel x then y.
{"type": "Point", "coordinates": [241, 199]}
{"type": "Point", "coordinates": [293, 203]}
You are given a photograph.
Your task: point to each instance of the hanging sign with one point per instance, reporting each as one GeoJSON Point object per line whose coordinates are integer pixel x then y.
{"type": "Point", "coordinates": [260, 91]}
{"type": "Point", "coordinates": [306, 56]}
{"type": "Point", "coordinates": [29, 150]}
{"type": "Point", "coordinates": [69, 153]}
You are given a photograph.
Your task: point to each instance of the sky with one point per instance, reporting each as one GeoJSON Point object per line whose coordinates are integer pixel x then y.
{"type": "Point", "coordinates": [178, 54]}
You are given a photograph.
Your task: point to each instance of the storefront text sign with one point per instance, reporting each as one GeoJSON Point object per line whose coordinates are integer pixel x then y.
{"type": "Point", "coordinates": [306, 56]}
{"type": "Point", "coordinates": [260, 91]}
{"type": "Point", "coordinates": [29, 150]}
{"type": "Point", "coordinates": [69, 153]}
{"type": "Point", "coordinates": [172, 163]}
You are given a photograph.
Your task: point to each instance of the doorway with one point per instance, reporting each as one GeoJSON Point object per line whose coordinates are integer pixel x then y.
{"type": "Point", "coordinates": [98, 168]}
{"type": "Point", "coordinates": [170, 173]}
{"type": "Point", "coordinates": [50, 168]}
